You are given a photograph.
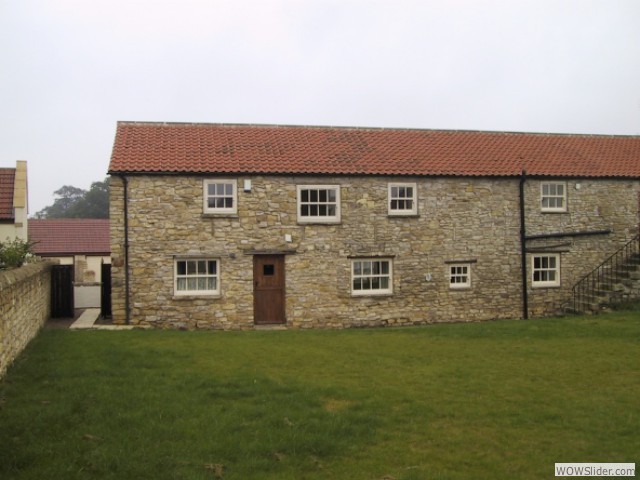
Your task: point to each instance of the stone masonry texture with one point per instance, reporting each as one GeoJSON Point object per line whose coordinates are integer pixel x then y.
{"type": "Point", "coordinates": [475, 221]}
{"type": "Point", "coordinates": [25, 305]}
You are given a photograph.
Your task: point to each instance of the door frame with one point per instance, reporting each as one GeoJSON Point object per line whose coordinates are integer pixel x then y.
{"type": "Point", "coordinates": [274, 293]}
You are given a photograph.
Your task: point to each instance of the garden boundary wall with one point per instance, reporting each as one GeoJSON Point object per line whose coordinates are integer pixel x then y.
{"type": "Point", "coordinates": [25, 306]}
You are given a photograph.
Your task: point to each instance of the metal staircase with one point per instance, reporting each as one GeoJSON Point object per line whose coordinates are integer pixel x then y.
{"type": "Point", "coordinates": [615, 280]}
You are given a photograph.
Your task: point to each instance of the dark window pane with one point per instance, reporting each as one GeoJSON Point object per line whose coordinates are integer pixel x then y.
{"type": "Point", "coordinates": [191, 267]}
{"type": "Point", "coordinates": [182, 268]}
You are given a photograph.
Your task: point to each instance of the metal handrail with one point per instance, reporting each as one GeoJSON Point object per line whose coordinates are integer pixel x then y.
{"type": "Point", "coordinates": [604, 276]}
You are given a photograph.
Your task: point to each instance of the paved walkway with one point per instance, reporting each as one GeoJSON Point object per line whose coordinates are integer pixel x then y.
{"type": "Point", "coordinates": [88, 321]}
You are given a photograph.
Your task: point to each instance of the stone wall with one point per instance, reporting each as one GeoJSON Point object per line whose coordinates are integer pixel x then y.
{"type": "Point", "coordinates": [592, 205]}
{"type": "Point", "coordinates": [25, 305]}
{"type": "Point", "coordinates": [468, 220]}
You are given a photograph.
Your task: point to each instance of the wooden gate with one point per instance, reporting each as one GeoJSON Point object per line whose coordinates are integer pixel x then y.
{"type": "Point", "coordinates": [105, 291]}
{"type": "Point", "coordinates": [62, 291]}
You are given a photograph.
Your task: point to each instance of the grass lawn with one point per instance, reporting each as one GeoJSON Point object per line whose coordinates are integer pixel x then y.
{"type": "Point", "coordinates": [485, 400]}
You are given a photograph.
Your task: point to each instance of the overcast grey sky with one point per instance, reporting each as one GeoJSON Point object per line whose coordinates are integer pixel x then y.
{"type": "Point", "coordinates": [70, 69]}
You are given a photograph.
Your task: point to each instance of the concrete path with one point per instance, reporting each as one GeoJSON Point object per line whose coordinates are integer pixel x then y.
{"type": "Point", "coordinates": [88, 321]}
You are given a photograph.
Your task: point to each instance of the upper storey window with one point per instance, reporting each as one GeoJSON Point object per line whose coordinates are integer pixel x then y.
{"type": "Point", "coordinates": [318, 203]}
{"type": "Point", "coordinates": [402, 199]}
{"type": "Point", "coordinates": [220, 196]}
{"type": "Point", "coordinates": [553, 197]}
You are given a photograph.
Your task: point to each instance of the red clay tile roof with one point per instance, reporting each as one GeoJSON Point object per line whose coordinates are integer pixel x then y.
{"type": "Point", "coordinates": [7, 179]}
{"type": "Point", "coordinates": [272, 149]}
{"type": "Point", "coordinates": [61, 237]}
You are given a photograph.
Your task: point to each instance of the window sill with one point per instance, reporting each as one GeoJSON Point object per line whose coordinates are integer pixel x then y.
{"type": "Point", "coordinates": [316, 222]}
{"type": "Point", "coordinates": [371, 295]}
{"type": "Point", "coordinates": [403, 215]}
{"type": "Point", "coordinates": [215, 296]}
{"type": "Point", "coordinates": [538, 287]}
{"type": "Point", "coordinates": [220, 215]}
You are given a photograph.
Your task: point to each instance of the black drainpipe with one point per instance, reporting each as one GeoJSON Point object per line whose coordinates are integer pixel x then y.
{"type": "Point", "coordinates": [126, 251]}
{"type": "Point", "coordinates": [523, 250]}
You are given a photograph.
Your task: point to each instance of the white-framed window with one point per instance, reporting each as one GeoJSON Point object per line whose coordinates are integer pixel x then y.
{"type": "Point", "coordinates": [545, 271]}
{"type": "Point", "coordinates": [371, 276]}
{"type": "Point", "coordinates": [318, 203]}
{"type": "Point", "coordinates": [460, 275]}
{"type": "Point", "coordinates": [220, 196]}
{"type": "Point", "coordinates": [553, 197]}
{"type": "Point", "coordinates": [196, 276]}
{"type": "Point", "coordinates": [403, 199]}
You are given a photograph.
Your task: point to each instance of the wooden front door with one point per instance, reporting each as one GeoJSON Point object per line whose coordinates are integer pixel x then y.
{"type": "Point", "coordinates": [268, 289]}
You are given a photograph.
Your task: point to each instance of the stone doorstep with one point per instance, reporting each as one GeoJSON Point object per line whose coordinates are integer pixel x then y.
{"type": "Point", "coordinates": [273, 326]}
{"type": "Point", "coordinates": [88, 319]}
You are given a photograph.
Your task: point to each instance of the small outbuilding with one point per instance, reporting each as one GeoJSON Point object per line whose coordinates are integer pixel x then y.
{"type": "Point", "coordinates": [83, 243]}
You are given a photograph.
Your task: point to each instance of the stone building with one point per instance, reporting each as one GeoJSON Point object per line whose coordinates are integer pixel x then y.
{"type": "Point", "coordinates": [14, 202]}
{"type": "Point", "coordinates": [236, 226]}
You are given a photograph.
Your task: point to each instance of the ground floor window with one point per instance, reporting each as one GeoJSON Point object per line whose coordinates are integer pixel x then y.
{"type": "Point", "coordinates": [371, 276]}
{"type": "Point", "coordinates": [196, 277]}
{"type": "Point", "coordinates": [546, 270]}
{"type": "Point", "coordinates": [460, 276]}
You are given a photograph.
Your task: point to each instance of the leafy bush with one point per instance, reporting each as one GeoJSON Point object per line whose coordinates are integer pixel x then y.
{"type": "Point", "coordinates": [13, 253]}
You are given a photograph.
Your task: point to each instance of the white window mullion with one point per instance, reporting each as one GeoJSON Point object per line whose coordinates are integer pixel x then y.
{"type": "Point", "coordinates": [545, 270]}
{"type": "Point", "coordinates": [371, 277]}
{"type": "Point", "coordinates": [553, 197]}
{"type": "Point", "coordinates": [318, 203]}
{"type": "Point", "coordinates": [196, 276]}
{"type": "Point", "coordinates": [220, 196]}
{"type": "Point", "coordinates": [460, 276]}
{"type": "Point", "coordinates": [402, 199]}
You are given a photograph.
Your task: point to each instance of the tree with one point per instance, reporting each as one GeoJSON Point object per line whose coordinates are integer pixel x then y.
{"type": "Point", "coordinates": [73, 202]}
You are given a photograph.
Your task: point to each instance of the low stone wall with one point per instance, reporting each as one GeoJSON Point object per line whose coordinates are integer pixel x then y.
{"type": "Point", "coordinates": [25, 305]}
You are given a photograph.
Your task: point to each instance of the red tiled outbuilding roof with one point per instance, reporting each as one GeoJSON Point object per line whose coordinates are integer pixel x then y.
{"type": "Point", "coordinates": [272, 149]}
{"type": "Point", "coordinates": [7, 182]}
{"type": "Point", "coordinates": [60, 237]}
